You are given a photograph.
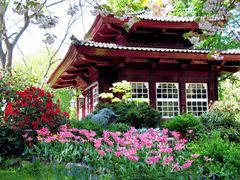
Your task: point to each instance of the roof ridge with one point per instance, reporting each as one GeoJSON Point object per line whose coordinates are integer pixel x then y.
{"type": "Point", "coordinates": [120, 46]}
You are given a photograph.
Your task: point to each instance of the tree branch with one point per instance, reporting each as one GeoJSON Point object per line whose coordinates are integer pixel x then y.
{"type": "Point", "coordinates": [55, 3]}
{"type": "Point", "coordinates": [50, 62]}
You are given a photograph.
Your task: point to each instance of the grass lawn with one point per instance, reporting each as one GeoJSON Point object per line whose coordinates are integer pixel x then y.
{"type": "Point", "coordinates": [14, 175]}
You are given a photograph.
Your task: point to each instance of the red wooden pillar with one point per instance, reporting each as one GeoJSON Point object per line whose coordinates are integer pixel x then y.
{"type": "Point", "coordinates": [182, 91]}
{"type": "Point", "coordinates": [182, 95]}
{"type": "Point", "coordinates": [152, 93]}
{"type": "Point", "coordinates": [78, 109]}
{"type": "Point", "coordinates": [212, 86]}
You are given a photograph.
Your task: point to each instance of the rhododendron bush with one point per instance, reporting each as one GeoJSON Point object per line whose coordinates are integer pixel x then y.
{"type": "Point", "coordinates": [32, 109]}
{"type": "Point", "coordinates": [151, 154]}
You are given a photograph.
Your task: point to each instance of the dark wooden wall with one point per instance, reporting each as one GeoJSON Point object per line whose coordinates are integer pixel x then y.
{"type": "Point", "coordinates": [136, 72]}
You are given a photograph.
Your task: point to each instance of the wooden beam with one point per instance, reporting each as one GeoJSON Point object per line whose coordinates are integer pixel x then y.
{"type": "Point", "coordinates": [199, 62]}
{"type": "Point", "coordinates": [80, 82]}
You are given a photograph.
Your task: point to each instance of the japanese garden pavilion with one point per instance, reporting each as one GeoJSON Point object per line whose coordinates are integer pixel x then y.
{"type": "Point", "coordinates": [153, 56]}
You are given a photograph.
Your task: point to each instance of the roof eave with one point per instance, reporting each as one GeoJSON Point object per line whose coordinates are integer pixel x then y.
{"type": "Point", "coordinates": [65, 63]}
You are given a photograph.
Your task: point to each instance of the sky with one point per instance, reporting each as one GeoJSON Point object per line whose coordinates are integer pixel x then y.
{"type": "Point", "coordinates": [31, 41]}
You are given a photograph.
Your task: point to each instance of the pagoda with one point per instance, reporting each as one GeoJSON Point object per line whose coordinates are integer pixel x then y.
{"type": "Point", "coordinates": [161, 66]}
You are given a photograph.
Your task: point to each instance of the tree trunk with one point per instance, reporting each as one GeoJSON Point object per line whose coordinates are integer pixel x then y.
{"type": "Point", "coordinates": [2, 57]}
{"type": "Point", "coordinates": [9, 57]}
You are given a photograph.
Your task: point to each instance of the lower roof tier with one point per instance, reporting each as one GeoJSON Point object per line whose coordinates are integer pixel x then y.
{"type": "Point", "coordinates": [84, 58]}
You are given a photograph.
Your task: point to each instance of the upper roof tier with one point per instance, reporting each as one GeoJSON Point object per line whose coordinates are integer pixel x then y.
{"type": "Point", "coordinates": [112, 29]}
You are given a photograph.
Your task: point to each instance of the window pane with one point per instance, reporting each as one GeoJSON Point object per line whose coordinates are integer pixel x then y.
{"type": "Point", "coordinates": [196, 94]}
{"type": "Point", "coordinates": [139, 90]}
{"type": "Point", "coordinates": [167, 99]}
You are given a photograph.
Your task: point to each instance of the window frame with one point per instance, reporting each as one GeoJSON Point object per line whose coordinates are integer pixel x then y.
{"type": "Point", "coordinates": [168, 99]}
{"type": "Point", "coordinates": [141, 99]}
{"type": "Point", "coordinates": [196, 113]}
{"type": "Point", "coordinates": [94, 96]}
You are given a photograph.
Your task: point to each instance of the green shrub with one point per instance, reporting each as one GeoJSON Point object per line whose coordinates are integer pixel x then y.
{"type": "Point", "coordinates": [216, 120]}
{"type": "Point", "coordinates": [121, 127]}
{"type": "Point", "coordinates": [10, 83]}
{"type": "Point", "coordinates": [220, 157]}
{"type": "Point", "coordinates": [89, 125]}
{"type": "Point", "coordinates": [11, 142]}
{"type": "Point", "coordinates": [225, 122]}
{"type": "Point", "coordinates": [183, 123]}
{"type": "Point", "coordinates": [137, 114]}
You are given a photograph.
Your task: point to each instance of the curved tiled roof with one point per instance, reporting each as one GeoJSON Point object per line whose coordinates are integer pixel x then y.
{"type": "Point", "coordinates": [150, 49]}
{"type": "Point", "coordinates": [166, 18]}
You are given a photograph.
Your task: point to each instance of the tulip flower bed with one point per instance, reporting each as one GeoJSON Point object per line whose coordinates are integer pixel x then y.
{"type": "Point", "coordinates": [130, 155]}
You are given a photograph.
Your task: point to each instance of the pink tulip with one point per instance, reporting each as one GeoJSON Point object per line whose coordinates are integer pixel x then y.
{"type": "Point", "coordinates": [187, 164]}
{"type": "Point", "coordinates": [101, 152]}
{"type": "Point", "coordinates": [133, 158]}
{"type": "Point", "coordinates": [117, 154]}
{"type": "Point", "coordinates": [167, 160]}
{"type": "Point", "coordinates": [165, 131]}
{"type": "Point", "coordinates": [190, 131]}
{"type": "Point", "coordinates": [195, 155]}
{"type": "Point", "coordinates": [176, 166]}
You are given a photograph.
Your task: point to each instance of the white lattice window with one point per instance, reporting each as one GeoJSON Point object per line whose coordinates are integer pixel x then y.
{"type": "Point", "coordinates": [196, 98]}
{"type": "Point", "coordinates": [95, 96]}
{"type": "Point", "coordinates": [88, 102]}
{"type": "Point", "coordinates": [167, 99]}
{"type": "Point", "coordinates": [139, 91]}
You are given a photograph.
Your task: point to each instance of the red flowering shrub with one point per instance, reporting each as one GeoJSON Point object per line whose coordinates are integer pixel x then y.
{"type": "Point", "coordinates": [33, 108]}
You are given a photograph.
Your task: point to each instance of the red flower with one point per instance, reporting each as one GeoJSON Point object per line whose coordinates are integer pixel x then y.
{"type": "Point", "coordinates": [9, 109]}
{"type": "Point", "coordinates": [48, 104]}
{"type": "Point", "coordinates": [66, 114]}
{"type": "Point", "coordinates": [20, 123]}
{"type": "Point", "coordinates": [5, 119]}
{"type": "Point", "coordinates": [58, 110]}
{"type": "Point", "coordinates": [34, 124]}
{"type": "Point", "coordinates": [27, 118]}
{"type": "Point", "coordinates": [24, 104]}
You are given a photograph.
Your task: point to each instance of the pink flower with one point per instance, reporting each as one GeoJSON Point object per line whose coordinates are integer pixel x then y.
{"type": "Point", "coordinates": [153, 152]}
{"type": "Point", "coordinates": [179, 146]}
{"type": "Point", "coordinates": [175, 134]}
{"type": "Point", "coordinates": [101, 152]}
{"type": "Point", "coordinates": [176, 166]}
{"type": "Point", "coordinates": [117, 154]}
{"type": "Point", "coordinates": [44, 132]}
{"type": "Point", "coordinates": [153, 159]}
{"type": "Point", "coordinates": [29, 139]}
{"type": "Point", "coordinates": [207, 159]}
{"type": "Point", "coordinates": [184, 141]}
{"type": "Point", "coordinates": [63, 140]}
{"type": "Point", "coordinates": [109, 150]}
{"type": "Point", "coordinates": [167, 160]}
{"type": "Point", "coordinates": [165, 131]}
{"type": "Point", "coordinates": [164, 149]}
{"type": "Point", "coordinates": [195, 155]}
{"type": "Point", "coordinates": [190, 131]}
{"type": "Point", "coordinates": [129, 152]}
{"type": "Point", "coordinates": [25, 135]}
{"type": "Point", "coordinates": [48, 139]}
{"type": "Point", "coordinates": [162, 139]}
{"type": "Point", "coordinates": [66, 134]}
{"type": "Point", "coordinates": [133, 158]}
{"type": "Point", "coordinates": [187, 164]}
{"type": "Point", "coordinates": [63, 128]}
{"type": "Point", "coordinates": [98, 143]}
{"type": "Point", "coordinates": [110, 143]}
